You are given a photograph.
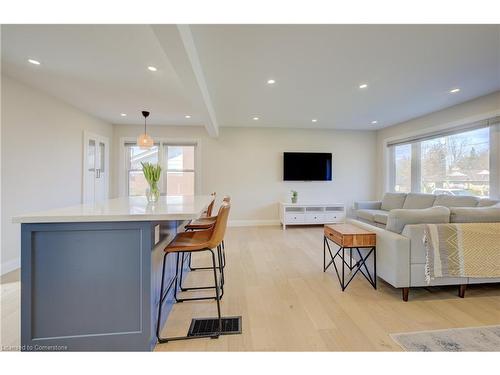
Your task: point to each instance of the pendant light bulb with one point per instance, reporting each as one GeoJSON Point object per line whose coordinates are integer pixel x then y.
{"type": "Point", "coordinates": [144, 140]}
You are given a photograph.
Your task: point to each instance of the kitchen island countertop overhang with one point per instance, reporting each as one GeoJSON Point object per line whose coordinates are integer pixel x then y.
{"type": "Point", "coordinates": [123, 209]}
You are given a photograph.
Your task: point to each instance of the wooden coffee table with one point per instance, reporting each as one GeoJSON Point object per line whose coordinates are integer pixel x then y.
{"type": "Point", "coordinates": [350, 237]}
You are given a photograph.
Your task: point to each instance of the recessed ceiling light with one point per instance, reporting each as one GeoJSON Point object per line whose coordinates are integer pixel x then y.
{"type": "Point", "coordinates": [187, 116]}
{"type": "Point", "coordinates": [453, 91]}
{"type": "Point", "coordinates": [314, 120]}
{"type": "Point", "coordinates": [152, 68]}
{"type": "Point", "coordinates": [123, 114]}
{"type": "Point", "coordinates": [363, 86]}
{"type": "Point", "coordinates": [255, 118]}
{"type": "Point", "coordinates": [34, 62]}
{"type": "Point", "coordinates": [271, 81]}
{"type": "Point", "coordinates": [374, 122]}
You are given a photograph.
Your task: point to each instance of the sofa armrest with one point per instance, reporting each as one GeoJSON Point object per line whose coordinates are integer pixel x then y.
{"type": "Point", "coordinates": [415, 233]}
{"type": "Point", "coordinates": [399, 218]}
{"type": "Point", "coordinates": [368, 205]}
{"type": "Point", "coordinates": [393, 255]}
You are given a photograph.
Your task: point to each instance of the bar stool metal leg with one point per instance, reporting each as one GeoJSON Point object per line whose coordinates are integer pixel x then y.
{"type": "Point", "coordinates": [191, 268]}
{"type": "Point", "coordinates": [178, 274]}
{"type": "Point", "coordinates": [162, 340]}
{"type": "Point", "coordinates": [221, 270]}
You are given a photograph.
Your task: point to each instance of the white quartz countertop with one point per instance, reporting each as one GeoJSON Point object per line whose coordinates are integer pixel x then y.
{"type": "Point", "coordinates": [124, 209]}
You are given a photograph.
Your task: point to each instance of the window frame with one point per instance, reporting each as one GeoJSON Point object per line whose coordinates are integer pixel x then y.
{"type": "Point", "coordinates": [128, 169]}
{"type": "Point", "coordinates": [416, 161]}
{"type": "Point", "coordinates": [165, 164]}
{"type": "Point", "coordinates": [123, 172]}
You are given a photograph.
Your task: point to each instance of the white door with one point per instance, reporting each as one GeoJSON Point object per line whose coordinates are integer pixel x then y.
{"type": "Point", "coordinates": [95, 168]}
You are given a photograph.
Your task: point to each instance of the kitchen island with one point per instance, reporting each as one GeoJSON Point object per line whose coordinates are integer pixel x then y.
{"type": "Point", "coordinates": [90, 274]}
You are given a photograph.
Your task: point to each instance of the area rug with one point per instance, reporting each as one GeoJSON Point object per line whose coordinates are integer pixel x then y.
{"type": "Point", "coordinates": [477, 339]}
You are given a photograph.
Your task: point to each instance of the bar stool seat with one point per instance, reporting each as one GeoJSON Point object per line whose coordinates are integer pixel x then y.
{"type": "Point", "coordinates": [201, 223]}
{"type": "Point", "coordinates": [189, 241]}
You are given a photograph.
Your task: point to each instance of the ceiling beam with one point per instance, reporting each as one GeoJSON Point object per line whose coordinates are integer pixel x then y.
{"type": "Point", "coordinates": [179, 47]}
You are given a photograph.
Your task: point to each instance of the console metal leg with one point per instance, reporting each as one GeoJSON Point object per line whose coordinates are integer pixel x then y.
{"type": "Point", "coordinates": [343, 284]}
{"type": "Point", "coordinates": [356, 267]}
{"type": "Point", "coordinates": [324, 254]}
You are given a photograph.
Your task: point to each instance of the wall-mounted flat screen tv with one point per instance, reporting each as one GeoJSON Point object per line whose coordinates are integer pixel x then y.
{"type": "Point", "coordinates": [307, 166]}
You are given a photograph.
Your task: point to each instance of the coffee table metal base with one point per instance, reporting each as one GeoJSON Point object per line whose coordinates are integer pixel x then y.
{"type": "Point", "coordinates": [357, 267]}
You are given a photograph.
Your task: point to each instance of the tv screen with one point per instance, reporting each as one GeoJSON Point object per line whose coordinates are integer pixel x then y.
{"type": "Point", "coordinates": [307, 166]}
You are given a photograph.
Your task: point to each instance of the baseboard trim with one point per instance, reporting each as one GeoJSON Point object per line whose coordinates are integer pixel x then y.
{"type": "Point", "coordinates": [252, 223]}
{"type": "Point", "coordinates": [10, 266]}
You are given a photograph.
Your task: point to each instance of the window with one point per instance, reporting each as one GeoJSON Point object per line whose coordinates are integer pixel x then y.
{"type": "Point", "coordinates": [453, 164]}
{"type": "Point", "coordinates": [402, 158]}
{"type": "Point", "coordinates": [457, 164]}
{"type": "Point", "coordinates": [178, 168]}
{"type": "Point", "coordinates": [137, 184]}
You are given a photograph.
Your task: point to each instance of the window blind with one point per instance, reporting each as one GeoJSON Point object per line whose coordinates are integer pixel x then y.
{"type": "Point", "coordinates": [443, 133]}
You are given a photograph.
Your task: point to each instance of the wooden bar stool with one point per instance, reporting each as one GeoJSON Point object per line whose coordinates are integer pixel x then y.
{"type": "Point", "coordinates": [189, 242]}
{"type": "Point", "coordinates": [221, 255]}
{"type": "Point", "coordinates": [205, 223]}
{"type": "Point", "coordinates": [210, 207]}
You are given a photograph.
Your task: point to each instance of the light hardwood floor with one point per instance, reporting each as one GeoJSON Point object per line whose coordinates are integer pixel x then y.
{"type": "Point", "coordinates": [10, 313]}
{"type": "Point", "coordinates": [274, 279]}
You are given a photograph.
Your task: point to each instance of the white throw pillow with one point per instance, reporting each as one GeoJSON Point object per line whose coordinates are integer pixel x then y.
{"type": "Point", "coordinates": [392, 201]}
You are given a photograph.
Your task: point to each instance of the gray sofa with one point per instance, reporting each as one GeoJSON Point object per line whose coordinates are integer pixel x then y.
{"type": "Point", "coordinates": [399, 220]}
{"type": "Point", "coordinates": [377, 212]}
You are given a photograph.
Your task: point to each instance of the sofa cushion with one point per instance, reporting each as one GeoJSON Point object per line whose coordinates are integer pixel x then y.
{"type": "Point", "coordinates": [400, 217]}
{"type": "Point", "coordinates": [486, 202]}
{"type": "Point", "coordinates": [475, 214]}
{"type": "Point", "coordinates": [419, 200]}
{"type": "Point", "coordinates": [392, 201]}
{"type": "Point", "coordinates": [381, 217]}
{"type": "Point", "coordinates": [369, 215]}
{"type": "Point", "coordinates": [456, 201]}
{"type": "Point", "coordinates": [367, 205]}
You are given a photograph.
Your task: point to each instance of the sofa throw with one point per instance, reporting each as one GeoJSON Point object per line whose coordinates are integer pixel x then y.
{"type": "Point", "coordinates": [462, 250]}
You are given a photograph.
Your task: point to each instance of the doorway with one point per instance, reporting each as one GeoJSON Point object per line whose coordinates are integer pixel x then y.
{"type": "Point", "coordinates": [95, 168]}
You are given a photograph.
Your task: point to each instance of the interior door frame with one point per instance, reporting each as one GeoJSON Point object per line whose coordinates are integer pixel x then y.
{"type": "Point", "coordinates": [99, 138]}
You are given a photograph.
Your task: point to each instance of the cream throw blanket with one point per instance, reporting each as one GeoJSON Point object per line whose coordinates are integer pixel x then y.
{"type": "Point", "coordinates": [462, 250]}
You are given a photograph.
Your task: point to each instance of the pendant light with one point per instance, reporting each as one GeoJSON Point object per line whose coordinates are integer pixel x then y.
{"type": "Point", "coordinates": [144, 140]}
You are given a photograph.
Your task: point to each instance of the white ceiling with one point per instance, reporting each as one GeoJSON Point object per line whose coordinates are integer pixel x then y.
{"type": "Point", "coordinates": [218, 73]}
{"type": "Point", "coordinates": [101, 69]}
{"type": "Point", "coordinates": [318, 70]}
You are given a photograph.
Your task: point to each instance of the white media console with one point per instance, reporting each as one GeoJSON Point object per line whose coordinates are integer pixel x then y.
{"type": "Point", "coordinates": [313, 213]}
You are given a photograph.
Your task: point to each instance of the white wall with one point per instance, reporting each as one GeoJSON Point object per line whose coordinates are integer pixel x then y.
{"type": "Point", "coordinates": [473, 110]}
{"type": "Point", "coordinates": [42, 144]}
{"type": "Point", "coordinates": [246, 163]}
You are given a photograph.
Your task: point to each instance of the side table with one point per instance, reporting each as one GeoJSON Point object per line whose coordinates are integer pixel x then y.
{"type": "Point", "coordinates": [349, 238]}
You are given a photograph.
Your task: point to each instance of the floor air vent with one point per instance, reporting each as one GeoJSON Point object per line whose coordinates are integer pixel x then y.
{"type": "Point", "coordinates": [206, 326]}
